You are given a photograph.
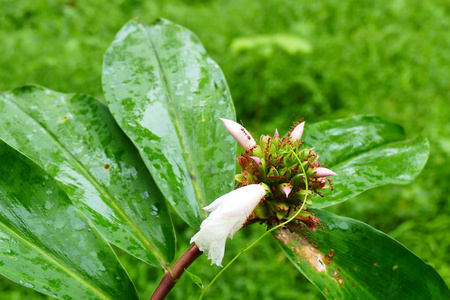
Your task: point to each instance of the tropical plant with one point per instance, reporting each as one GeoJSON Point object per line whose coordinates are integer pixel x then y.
{"type": "Point", "coordinates": [78, 176]}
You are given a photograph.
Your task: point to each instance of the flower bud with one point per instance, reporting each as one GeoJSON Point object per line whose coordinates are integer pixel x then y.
{"type": "Point", "coordinates": [286, 190]}
{"type": "Point", "coordinates": [276, 134]}
{"type": "Point", "coordinates": [282, 210]}
{"type": "Point", "coordinates": [297, 133]}
{"type": "Point", "coordinates": [273, 172]}
{"type": "Point", "coordinates": [323, 172]}
{"type": "Point", "coordinates": [264, 141]}
{"type": "Point", "coordinates": [240, 134]}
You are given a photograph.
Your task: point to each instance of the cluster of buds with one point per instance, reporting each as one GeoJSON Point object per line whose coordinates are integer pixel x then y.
{"type": "Point", "coordinates": [291, 175]}
{"type": "Point", "coordinates": [278, 179]}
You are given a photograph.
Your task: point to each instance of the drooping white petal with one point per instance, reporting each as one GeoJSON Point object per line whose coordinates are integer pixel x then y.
{"type": "Point", "coordinates": [240, 134]}
{"type": "Point", "coordinates": [228, 214]}
{"type": "Point", "coordinates": [242, 202]}
{"type": "Point", "coordinates": [297, 133]}
{"type": "Point", "coordinates": [215, 204]}
{"type": "Point", "coordinates": [324, 172]}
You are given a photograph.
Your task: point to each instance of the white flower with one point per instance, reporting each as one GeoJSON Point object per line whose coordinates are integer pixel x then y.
{"type": "Point", "coordinates": [297, 133]}
{"type": "Point", "coordinates": [228, 214]}
{"type": "Point", "coordinates": [240, 134]}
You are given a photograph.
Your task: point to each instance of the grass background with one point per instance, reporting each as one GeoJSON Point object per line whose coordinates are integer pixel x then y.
{"type": "Point", "coordinates": [388, 58]}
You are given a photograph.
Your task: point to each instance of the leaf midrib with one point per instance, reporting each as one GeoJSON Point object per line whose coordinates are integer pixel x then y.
{"type": "Point", "coordinates": [94, 182]}
{"type": "Point", "coordinates": [178, 129]}
{"type": "Point", "coordinates": [54, 261]}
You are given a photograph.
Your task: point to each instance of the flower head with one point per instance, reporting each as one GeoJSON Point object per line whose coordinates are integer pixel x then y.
{"type": "Point", "coordinates": [280, 170]}
{"type": "Point", "coordinates": [291, 173]}
{"type": "Point", "coordinates": [229, 213]}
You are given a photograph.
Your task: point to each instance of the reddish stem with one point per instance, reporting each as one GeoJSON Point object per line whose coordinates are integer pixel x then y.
{"type": "Point", "coordinates": [172, 275]}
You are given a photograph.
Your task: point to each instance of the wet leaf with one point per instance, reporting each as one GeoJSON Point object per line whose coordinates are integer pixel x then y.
{"type": "Point", "coordinates": [394, 163]}
{"type": "Point", "coordinates": [75, 139]}
{"type": "Point", "coordinates": [365, 152]}
{"type": "Point", "coordinates": [167, 95]}
{"type": "Point", "coordinates": [46, 243]}
{"type": "Point", "coordinates": [339, 140]}
{"type": "Point", "coordinates": [351, 260]}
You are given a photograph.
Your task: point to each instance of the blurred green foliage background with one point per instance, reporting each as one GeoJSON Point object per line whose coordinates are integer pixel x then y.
{"type": "Point", "coordinates": [284, 60]}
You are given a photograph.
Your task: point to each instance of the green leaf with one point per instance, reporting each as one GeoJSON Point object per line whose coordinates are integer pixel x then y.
{"type": "Point", "coordinates": [75, 139]}
{"type": "Point", "coordinates": [46, 243]}
{"type": "Point", "coordinates": [365, 152]}
{"type": "Point", "coordinates": [351, 260]}
{"type": "Point", "coordinates": [195, 279]}
{"type": "Point", "coordinates": [395, 163]}
{"type": "Point", "coordinates": [340, 140]}
{"type": "Point", "coordinates": [167, 95]}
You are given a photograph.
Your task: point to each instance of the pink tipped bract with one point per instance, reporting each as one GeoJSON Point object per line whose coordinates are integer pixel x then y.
{"type": "Point", "coordinates": [324, 172]}
{"type": "Point", "coordinates": [286, 190]}
{"type": "Point", "coordinates": [276, 134]}
{"type": "Point", "coordinates": [256, 159]}
{"type": "Point", "coordinates": [240, 134]}
{"type": "Point", "coordinates": [297, 133]}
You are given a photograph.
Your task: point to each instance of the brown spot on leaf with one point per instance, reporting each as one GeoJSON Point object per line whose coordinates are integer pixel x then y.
{"type": "Point", "coordinates": [395, 267]}
{"type": "Point", "coordinates": [330, 254]}
{"type": "Point", "coordinates": [305, 249]}
{"type": "Point", "coordinates": [337, 277]}
{"type": "Point", "coordinates": [106, 167]}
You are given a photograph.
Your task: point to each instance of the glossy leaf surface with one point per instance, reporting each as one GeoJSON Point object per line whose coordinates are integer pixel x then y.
{"type": "Point", "coordinates": [46, 243]}
{"type": "Point", "coordinates": [75, 139]}
{"type": "Point", "coordinates": [365, 152]}
{"type": "Point", "coordinates": [351, 260]}
{"type": "Point", "coordinates": [167, 95]}
{"type": "Point", "coordinates": [340, 140]}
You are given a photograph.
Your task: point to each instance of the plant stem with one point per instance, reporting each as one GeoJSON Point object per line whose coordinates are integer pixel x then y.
{"type": "Point", "coordinates": [172, 275]}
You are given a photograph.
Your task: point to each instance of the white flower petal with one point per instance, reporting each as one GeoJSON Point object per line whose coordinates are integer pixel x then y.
{"type": "Point", "coordinates": [229, 213]}
{"type": "Point", "coordinates": [215, 204]}
{"type": "Point", "coordinates": [241, 201]}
